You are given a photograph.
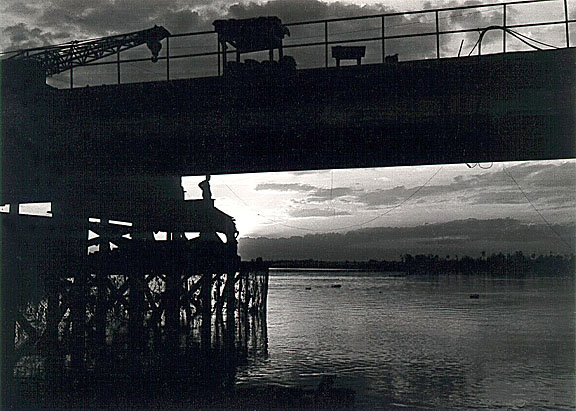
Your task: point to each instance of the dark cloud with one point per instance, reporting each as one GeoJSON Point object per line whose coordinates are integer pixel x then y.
{"type": "Point", "coordinates": [463, 237]}
{"type": "Point", "coordinates": [316, 194]}
{"type": "Point", "coordinates": [20, 36]}
{"type": "Point", "coordinates": [302, 10]}
{"type": "Point", "coordinates": [21, 9]}
{"type": "Point", "coordinates": [383, 197]}
{"type": "Point", "coordinates": [316, 212]}
{"type": "Point", "coordinates": [327, 194]}
{"type": "Point", "coordinates": [308, 172]}
{"type": "Point", "coordinates": [285, 187]}
{"type": "Point", "coordinates": [105, 17]}
{"type": "Point", "coordinates": [550, 185]}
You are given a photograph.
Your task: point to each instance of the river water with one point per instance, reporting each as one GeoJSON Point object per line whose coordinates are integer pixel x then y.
{"type": "Point", "coordinates": [421, 341]}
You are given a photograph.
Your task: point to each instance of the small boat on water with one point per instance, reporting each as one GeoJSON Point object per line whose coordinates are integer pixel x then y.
{"type": "Point", "coordinates": [336, 286]}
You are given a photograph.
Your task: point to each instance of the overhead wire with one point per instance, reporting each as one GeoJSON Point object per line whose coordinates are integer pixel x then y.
{"type": "Point", "coordinates": [550, 226]}
{"type": "Point", "coordinates": [269, 219]}
{"type": "Point", "coordinates": [521, 37]}
{"type": "Point", "coordinates": [356, 225]}
{"type": "Point", "coordinates": [534, 40]}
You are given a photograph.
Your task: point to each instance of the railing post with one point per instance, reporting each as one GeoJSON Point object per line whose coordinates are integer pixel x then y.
{"type": "Point", "coordinates": [437, 35]}
{"type": "Point", "coordinates": [567, 26]}
{"type": "Point", "coordinates": [326, 44]}
{"type": "Point", "coordinates": [504, 26]}
{"type": "Point", "coordinates": [219, 68]}
{"type": "Point", "coordinates": [383, 40]}
{"type": "Point", "coordinates": [118, 66]}
{"type": "Point", "coordinates": [167, 58]}
{"type": "Point", "coordinates": [71, 76]}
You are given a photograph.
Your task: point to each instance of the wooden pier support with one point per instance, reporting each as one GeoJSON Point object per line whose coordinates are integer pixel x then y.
{"type": "Point", "coordinates": [172, 303]}
{"type": "Point", "coordinates": [8, 303]}
{"type": "Point", "coordinates": [136, 313]}
{"type": "Point", "coordinates": [53, 316]}
{"type": "Point", "coordinates": [206, 307]}
{"type": "Point", "coordinates": [101, 312]}
{"type": "Point", "coordinates": [78, 318]}
{"type": "Point", "coordinates": [133, 298]}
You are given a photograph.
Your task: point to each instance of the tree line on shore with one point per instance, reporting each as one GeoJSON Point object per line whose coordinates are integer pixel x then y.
{"type": "Point", "coordinates": [515, 264]}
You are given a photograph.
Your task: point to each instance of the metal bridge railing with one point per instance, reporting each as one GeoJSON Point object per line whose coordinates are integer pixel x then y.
{"type": "Point", "coordinates": [383, 37]}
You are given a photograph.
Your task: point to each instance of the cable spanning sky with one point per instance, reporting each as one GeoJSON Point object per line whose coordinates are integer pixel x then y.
{"type": "Point", "coordinates": [304, 203]}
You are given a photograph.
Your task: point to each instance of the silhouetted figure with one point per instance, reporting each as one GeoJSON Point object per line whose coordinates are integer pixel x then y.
{"type": "Point", "coordinates": [205, 187]}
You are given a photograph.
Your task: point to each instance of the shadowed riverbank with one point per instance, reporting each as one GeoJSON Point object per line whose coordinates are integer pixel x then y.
{"type": "Point", "coordinates": [516, 264]}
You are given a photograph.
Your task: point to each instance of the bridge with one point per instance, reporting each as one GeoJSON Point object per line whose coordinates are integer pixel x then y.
{"type": "Point", "coordinates": [117, 152]}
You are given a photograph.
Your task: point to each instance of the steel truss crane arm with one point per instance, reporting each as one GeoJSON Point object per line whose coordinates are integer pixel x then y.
{"type": "Point", "coordinates": [57, 59]}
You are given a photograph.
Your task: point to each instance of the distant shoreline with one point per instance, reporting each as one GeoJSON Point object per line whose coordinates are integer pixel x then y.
{"type": "Point", "coordinates": [516, 264]}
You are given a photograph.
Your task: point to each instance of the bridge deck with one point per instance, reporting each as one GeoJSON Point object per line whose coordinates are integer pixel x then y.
{"type": "Point", "coordinates": [504, 107]}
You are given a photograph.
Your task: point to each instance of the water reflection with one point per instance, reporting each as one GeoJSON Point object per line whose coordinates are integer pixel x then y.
{"type": "Point", "coordinates": [193, 376]}
{"type": "Point", "coordinates": [422, 341]}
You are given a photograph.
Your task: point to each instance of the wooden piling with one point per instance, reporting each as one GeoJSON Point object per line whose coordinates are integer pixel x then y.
{"type": "Point", "coordinates": [206, 305]}
{"type": "Point", "coordinates": [78, 318]}
{"type": "Point", "coordinates": [135, 313]}
{"type": "Point", "coordinates": [8, 304]}
{"type": "Point", "coordinates": [172, 303]}
{"type": "Point", "coordinates": [100, 312]}
{"type": "Point", "coordinates": [52, 320]}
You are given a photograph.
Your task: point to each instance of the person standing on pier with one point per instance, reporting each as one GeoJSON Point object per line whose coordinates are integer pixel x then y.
{"type": "Point", "coordinates": [205, 187]}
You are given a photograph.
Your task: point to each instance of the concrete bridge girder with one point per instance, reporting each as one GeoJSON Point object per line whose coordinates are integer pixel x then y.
{"type": "Point", "coordinates": [517, 106]}
{"type": "Point", "coordinates": [484, 108]}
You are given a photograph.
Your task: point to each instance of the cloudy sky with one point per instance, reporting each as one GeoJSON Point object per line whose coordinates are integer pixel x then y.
{"type": "Point", "coordinates": [527, 206]}
{"type": "Point", "coordinates": [38, 22]}
{"type": "Point", "coordinates": [33, 23]}
{"type": "Point", "coordinates": [531, 205]}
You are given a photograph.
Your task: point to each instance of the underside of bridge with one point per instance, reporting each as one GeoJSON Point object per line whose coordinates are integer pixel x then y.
{"type": "Point", "coordinates": [118, 152]}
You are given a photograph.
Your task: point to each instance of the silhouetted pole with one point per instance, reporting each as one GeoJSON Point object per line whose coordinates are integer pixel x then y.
{"type": "Point", "coordinates": [172, 308]}
{"type": "Point", "coordinates": [53, 316]}
{"type": "Point", "coordinates": [504, 23]}
{"type": "Point", "coordinates": [206, 304]}
{"type": "Point", "coordinates": [135, 312]}
{"type": "Point", "coordinates": [230, 307]}
{"type": "Point", "coordinates": [8, 314]}
{"type": "Point", "coordinates": [224, 53]}
{"type": "Point", "coordinates": [566, 17]}
{"type": "Point", "coordinates": [118, 66]}
{"type": "Point", "coordinates": [326, 43]}
{"type": "Point", "coordinates": [437, 35]}
{"type": "Point", "coordinates": [101, 312]}
{"type": "Point", "coordinates": [219, 297]}
{"type": "Point", "coordinates": [101, 308]}
{"type": "Point", "coordinates": [73, 243]}
{"type": "Point", "coordinates": [168, 59]}
{"type": "Point", "coordinates": [383, 25]}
